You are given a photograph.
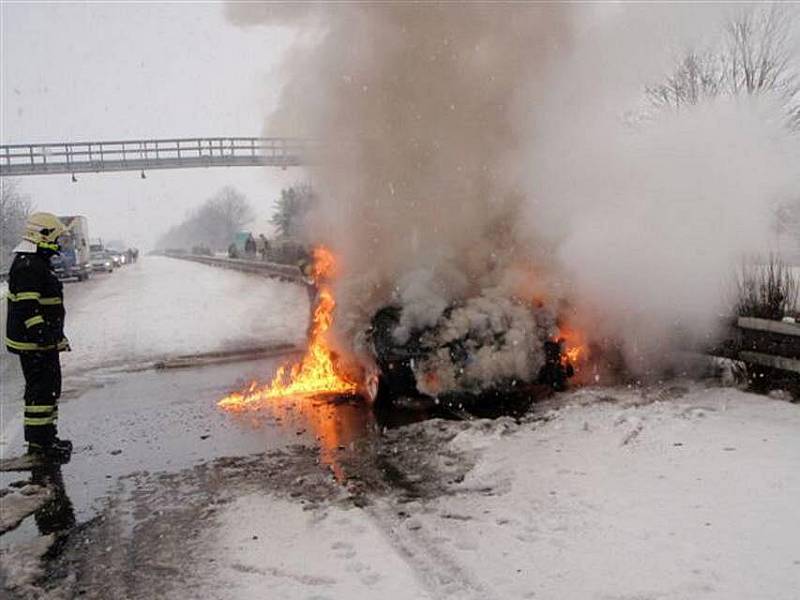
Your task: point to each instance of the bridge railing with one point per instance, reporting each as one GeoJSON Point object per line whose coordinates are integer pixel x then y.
{"type": "Point", "coordinates": [81, 157]}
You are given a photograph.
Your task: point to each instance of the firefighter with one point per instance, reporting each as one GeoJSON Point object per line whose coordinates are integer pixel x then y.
{"type": "Point", "coordinates": [263, 246]}
{"type": "Point", "coordinates": [35, 332]}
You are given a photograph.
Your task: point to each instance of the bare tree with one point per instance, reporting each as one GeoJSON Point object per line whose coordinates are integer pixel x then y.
{"type": "Point", "coordinates": [759, 53]}
{"type": "Point", "coordinates": [214, 224]}
{"type": "Point", "coordinates": [755, 57]}
{"type": "Point", "coordinates": [221, 217]}
{"type": "Point", "coordinates": [14, 209]}
{"type": "Point", "coordinates": [698, 75]}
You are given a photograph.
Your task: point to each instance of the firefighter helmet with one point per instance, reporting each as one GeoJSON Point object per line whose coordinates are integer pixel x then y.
{"type": "Point", "coordinates": [43, 229]}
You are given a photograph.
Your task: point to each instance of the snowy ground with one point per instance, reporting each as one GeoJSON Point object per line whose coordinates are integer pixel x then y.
{"type": "Point", "coordinates": [682, 490]}
{"type": "Point", "coordinates": [683, 494]}
{"type": "Point", "coordinates": [673, 492]}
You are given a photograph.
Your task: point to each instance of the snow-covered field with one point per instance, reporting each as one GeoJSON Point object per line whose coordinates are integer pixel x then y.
{"type": "Point", "coordinates": [616, 495]}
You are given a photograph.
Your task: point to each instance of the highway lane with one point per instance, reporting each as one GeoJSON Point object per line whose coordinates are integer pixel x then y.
{"type": "Point", "coordinates": [156, 309]}
{"type": "Point", "coordinates": [122, 415]}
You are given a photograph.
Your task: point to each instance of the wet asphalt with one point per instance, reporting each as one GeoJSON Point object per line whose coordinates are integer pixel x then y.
{"type": "Point", "coordinates": [168, 420]}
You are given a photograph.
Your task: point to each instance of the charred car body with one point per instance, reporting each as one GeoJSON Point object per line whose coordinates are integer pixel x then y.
{"type": "Point", "coordinates": [482, 352]}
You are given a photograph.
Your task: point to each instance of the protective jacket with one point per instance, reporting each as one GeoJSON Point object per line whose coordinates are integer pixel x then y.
{"type": "Point", "coordinates": [35, 304]}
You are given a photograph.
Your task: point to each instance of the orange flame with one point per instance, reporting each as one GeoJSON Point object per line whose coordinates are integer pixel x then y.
{"type": "Point", "coordinates": [316, 373]}
{"type": "Point", "coordinates": [573, 354]}
{"type": "Point", "coordinates": [574, 344]}
{"type": "Point", "coordinates": [574, 347]}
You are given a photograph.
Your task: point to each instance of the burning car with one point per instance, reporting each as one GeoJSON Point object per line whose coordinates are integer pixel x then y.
{"type": "Point", "coordinates": [485, 352]}
{"type": "Point", "coordinates": [488, 348]}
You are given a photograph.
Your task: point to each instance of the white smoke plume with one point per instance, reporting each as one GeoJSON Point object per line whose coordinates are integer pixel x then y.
{"type": "Point", "coordinates": [650, 216]}
{"type": "Point", "coordinates": [469, 147]}
{"type": "Point", "coordinates": [485, 341]}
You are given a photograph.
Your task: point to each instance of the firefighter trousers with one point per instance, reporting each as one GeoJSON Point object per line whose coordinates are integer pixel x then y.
{"type": "Point", "coordinates": [42, 371]}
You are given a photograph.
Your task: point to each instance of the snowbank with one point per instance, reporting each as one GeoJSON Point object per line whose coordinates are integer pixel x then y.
{"type": "Point", "coordinates": [695, 497]}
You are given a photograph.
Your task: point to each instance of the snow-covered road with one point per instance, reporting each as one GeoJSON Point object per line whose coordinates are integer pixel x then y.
{"type": "Point", "coordinates": [163, 307]}
{"type": "Point", "coordinates": [678, 491]}
{"type": "Point", "coordinates": [155, 309]}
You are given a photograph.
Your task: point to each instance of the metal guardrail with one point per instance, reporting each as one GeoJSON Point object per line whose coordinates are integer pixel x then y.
{"type": "Point", "coordinates": [268, 269]}
{"type": "Point", "coordinates": [762, 342]}
{"type": "Point", "coordinates": [781, 327]}
{"type": "Point", "coordinates": [143, 155]}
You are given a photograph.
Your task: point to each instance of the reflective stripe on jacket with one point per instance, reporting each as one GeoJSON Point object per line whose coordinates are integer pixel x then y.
{"type": "Point", "coordinates": [35, 302]}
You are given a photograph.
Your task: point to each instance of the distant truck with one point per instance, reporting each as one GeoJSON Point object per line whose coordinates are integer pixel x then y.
{"type": "Point", "coordinates": [242, 246]}
{"type": "Point", "coordinates": [74, 260]}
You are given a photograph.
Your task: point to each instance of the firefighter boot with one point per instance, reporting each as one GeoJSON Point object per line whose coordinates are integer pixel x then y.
{"type": "Point", "coordinates": [65, 445]}
{"type": "Point", "coordinates": [49, 452]}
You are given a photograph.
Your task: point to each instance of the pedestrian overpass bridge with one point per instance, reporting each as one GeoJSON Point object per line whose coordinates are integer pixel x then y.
{"type": "Point", "coordinates": [144, 155]}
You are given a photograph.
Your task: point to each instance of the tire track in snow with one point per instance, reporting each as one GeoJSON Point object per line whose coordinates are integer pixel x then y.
{"type": "Point", "coordinates": [438, 572]}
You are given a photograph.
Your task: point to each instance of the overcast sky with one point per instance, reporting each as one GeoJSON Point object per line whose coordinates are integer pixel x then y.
{"type": "Point", "coordinates": [75, 72]}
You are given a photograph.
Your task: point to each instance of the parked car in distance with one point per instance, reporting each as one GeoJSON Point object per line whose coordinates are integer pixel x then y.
{"type": "Point", "coordinates": [116, 257]}
{"type": "Point", "coordinates": [102, 261]}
